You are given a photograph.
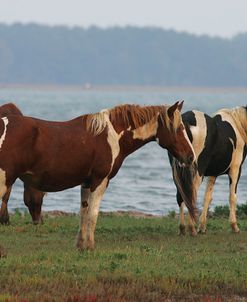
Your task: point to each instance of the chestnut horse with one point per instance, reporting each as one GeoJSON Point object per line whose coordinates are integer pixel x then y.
{"type": "Point", "coordinates": [88, 151]}
{"type": "Point", "coordinates": [33, 198]}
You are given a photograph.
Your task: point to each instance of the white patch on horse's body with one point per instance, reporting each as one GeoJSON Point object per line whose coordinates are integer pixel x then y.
{"type": "Point", "coordinates": [113, 139]}
{"type": "Point", "coordinates": [147, 130]}
{"type": "Point", "coordinates": [3, 187]}
{"type": "Point", "coordinates": [2, 138]}
{"type": "Point", "coordinates": [237, 153]}
{"type": "Point", "coordinates": [199, 132]}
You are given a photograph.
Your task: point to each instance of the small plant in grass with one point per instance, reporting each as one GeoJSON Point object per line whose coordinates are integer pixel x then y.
{"type": "Point", "coordinates": [242, 210]}
{"type": "Point", "coordinates": [224, 211]}
{"type": "Point", "coordinates": [221, 211]}
{"type": "Point", "coordinates": [172, 214]}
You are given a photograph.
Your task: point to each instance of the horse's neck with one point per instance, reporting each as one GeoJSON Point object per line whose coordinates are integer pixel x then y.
{"type": "Point", "coordinates": [134, 139]}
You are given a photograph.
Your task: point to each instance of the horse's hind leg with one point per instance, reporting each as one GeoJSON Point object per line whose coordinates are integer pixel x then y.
{"type": "Point", "coordinates": [4, 215]}
{"type": "Point", "coordinates": [233, 180]}
{"type": "Point", "coordinates": [207, 200]}
{"type": "Point", "coordinates": [181, 215]}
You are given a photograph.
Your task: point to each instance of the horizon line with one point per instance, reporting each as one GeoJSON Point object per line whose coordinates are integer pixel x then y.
{"type": "Point", "coordinates": [148, 26]}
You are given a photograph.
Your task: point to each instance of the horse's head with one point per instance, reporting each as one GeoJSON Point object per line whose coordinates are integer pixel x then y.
{"type": "Point", "coordinates": [172, 135]}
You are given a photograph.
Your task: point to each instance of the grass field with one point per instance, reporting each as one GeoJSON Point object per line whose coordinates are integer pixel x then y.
{"type": "Point", "coordinates": [136, 259]}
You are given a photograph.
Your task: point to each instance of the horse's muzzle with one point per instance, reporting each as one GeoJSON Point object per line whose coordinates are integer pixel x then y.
{"type": "Point", "coordinates": [188, 162]}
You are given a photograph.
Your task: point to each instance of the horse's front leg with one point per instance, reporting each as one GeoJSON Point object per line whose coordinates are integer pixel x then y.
{"type": "Point", "coordinates": [4, 215]}
{"type": "Point", "coordinates": [82, 233]}
{"type": "Point", "coordinates": [89, 219]}
{"type": "Point", "coordinates": [208, 197]}
{"type": "Point", "coordinates": [93, 211]}
{"type": "Point", "coordinates": [196, 184]}
{"type": "Point", "coordinates": [180, 203]}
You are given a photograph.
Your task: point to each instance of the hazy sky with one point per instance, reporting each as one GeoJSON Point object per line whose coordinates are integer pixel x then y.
{"type": "Point", "coordinates": [214, 17]}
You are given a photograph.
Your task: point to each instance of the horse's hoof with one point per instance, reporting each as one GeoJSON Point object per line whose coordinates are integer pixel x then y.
{"type": "Point", "coordinates": [38, 221]}
{"type": "Point", "coordinates": [202, 231]}
{"type": "Point", "coordinates": [235, 228]}
{"type": "Point", "coordinates": [182, 231]}
{"type": "Point", "coordinates": [4, 220]}
{"type": "Point", "coordinates": [192, 231]}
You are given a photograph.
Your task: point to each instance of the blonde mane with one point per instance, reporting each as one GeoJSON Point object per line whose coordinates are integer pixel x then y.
{"type": "Point", "coordinates": [239, 115]}
{"type": "Point", "coordinates": [131, 114]}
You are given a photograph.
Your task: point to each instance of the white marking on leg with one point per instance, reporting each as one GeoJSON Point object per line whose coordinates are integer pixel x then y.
{"type": "Point", "coordinates": [207, 201]}
{"type": "Point", "coordinates": [93, 211]}
{"type": "Point", "coordinates": [196, 183]}
{"type": "Point", "coordinates": [234, 175]}
{"type": "Point", "coordinates": [181, 216]}
{"type": "Point", "coordinates": [3, 187]}
{"type": "Point", "coordinates": [81, 239]}
{"type": "Point", "coordinates": [2, 138]}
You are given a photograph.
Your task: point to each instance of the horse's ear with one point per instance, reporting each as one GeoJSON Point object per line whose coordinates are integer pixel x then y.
{"type": "Point", "coordinates": [180, 105]}
{"type": "Point", "coordinates": [171, 110]}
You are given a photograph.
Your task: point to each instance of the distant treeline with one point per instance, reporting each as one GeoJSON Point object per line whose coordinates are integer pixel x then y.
{"type": "Point", "coordinates": [134, 56]}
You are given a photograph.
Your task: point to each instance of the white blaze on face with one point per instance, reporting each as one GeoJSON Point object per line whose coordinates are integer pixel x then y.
{"type": "Point", "coordinates": [3, 187]}
{"type": "Point", "coordinates": [199, 133]}
{"type": "Point", "coordinates": [146, 131]}
{"type": "Point", "coordinates": [2, 138]}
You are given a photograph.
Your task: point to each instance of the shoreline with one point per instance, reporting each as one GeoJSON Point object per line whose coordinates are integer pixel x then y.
{"type": "Point", "coordinates": [119, 213]}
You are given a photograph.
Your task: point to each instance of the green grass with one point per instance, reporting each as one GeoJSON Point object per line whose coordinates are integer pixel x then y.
{"type": "Point", "coordinates": [136, 259]}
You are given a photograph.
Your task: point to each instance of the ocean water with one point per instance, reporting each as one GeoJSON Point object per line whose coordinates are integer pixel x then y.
{"type": "Point", "coordinates": [144, 182]}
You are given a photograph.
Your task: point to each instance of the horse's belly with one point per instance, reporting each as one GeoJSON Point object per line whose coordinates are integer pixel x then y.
{"type": "Point", "coordinates": [53, 182]}
{"type": "Point", "coordinates": [218, 166]}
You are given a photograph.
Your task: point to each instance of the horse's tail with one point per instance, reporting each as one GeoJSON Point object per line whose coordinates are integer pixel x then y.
{"type": "Point", "coordinates": [184, 180]}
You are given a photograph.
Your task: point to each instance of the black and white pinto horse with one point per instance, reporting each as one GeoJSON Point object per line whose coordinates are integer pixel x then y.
{"type": "Point", "coordinates": [220, 145]}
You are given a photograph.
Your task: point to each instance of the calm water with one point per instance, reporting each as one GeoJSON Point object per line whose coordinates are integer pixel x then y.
{"type": "Point", "coordinates": [144, 182]}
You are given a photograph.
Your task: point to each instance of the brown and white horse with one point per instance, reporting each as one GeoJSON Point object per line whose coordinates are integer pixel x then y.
{"type": "Point", "coordinates": [86, 151]}
{"type": "Point", "coordinates": [33, 198]}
